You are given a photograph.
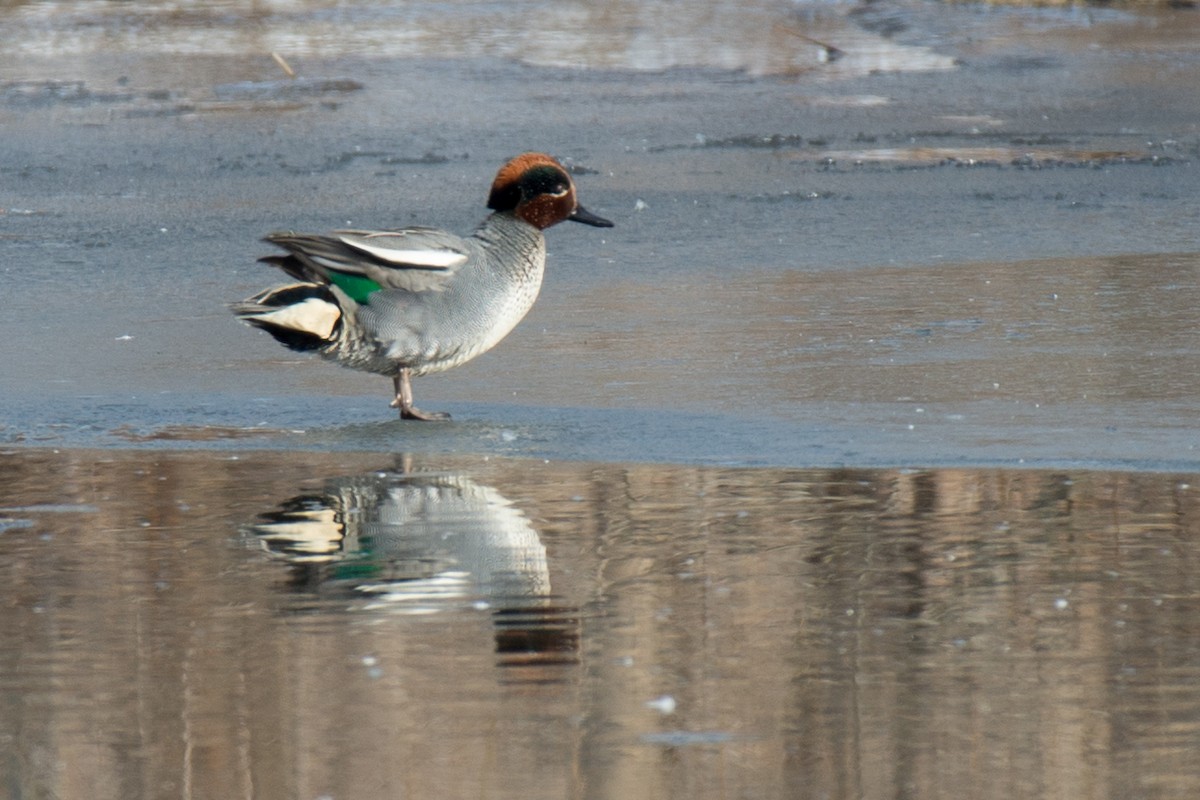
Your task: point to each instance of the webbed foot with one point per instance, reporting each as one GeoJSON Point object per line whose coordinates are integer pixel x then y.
{"type": "Point", "coordinates": [404, 400]}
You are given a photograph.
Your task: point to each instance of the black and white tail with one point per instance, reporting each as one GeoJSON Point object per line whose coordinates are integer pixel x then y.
{"type": "Point", "coordinates": [302, 316]}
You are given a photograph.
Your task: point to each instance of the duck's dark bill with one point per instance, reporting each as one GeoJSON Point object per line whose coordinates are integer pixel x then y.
{"type": "Point", "coordinates": [581, 214]}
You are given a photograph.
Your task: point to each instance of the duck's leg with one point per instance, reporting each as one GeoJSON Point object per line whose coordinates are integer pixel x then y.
{"type": "Point", "coordinates": [404, 399]}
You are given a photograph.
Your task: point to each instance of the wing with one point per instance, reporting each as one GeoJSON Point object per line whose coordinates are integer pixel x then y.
{"type": "Point", "coordinates": [363, 262]}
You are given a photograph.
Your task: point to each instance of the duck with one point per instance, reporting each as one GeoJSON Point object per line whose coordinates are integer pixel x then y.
{"type": "Point", "coordinates": [412, 301]}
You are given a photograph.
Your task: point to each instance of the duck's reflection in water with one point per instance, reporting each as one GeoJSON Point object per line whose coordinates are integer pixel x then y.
{"type": "Point", "coordinates": [398, 541]}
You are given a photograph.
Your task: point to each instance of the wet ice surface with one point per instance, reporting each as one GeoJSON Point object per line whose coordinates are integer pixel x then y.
{"type": "Point", "coordinates": [980, 260]}
{"type": "Point", "coordinates": [857, 460]}
{"type": "Point", "coordinates": [1070, 362]}
{"type": "Point", "coordinates": [348, 625]}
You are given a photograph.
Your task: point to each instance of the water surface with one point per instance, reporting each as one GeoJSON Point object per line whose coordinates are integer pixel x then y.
{"type": "Point", "coordinates": [362, 625]}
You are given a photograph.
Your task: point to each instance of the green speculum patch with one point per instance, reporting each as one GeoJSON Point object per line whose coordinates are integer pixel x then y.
{"type": "Point", "coordinates": [358, 287]}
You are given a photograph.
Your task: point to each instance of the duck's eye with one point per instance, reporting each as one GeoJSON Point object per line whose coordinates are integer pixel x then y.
{"type": "Point", "coordinates": [545, 181]}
